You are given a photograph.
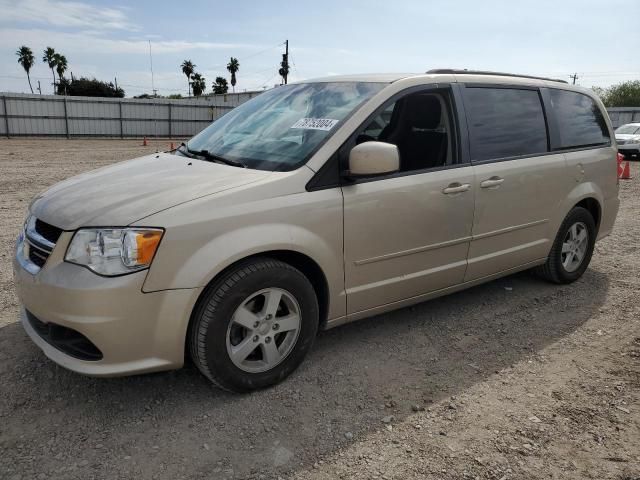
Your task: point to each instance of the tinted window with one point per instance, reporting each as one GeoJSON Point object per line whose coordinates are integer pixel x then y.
{"type": "Point", "coordinates": [504, 122]}
{"type": "Point", "coordinates": [580, 121]}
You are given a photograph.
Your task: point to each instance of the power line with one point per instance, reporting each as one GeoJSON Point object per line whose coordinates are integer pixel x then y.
{"type": "Point", "coordinates": [244, 59]}
{"type": "Point", "coordinates": [262, 51]}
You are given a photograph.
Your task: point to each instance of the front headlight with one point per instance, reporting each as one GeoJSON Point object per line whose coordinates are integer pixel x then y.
{"type": "Point", "coordinates": [114, 251]}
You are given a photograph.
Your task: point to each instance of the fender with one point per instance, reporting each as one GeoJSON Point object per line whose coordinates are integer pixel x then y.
{"type": "Point", "coordinates": [579, 193]}
{"type": "Point", "coordinates": [193, 252]}
{"type": "Point", "coordinates": [230, 247]}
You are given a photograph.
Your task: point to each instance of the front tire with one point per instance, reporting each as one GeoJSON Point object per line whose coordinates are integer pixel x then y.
{"type": "Point", "coordinates": [254, 326]}
{"type": "Point", "coordinates": [572, 249]}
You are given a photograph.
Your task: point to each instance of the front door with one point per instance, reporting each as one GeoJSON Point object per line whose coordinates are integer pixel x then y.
{"type": "Point", "coordinates": [408, 233]}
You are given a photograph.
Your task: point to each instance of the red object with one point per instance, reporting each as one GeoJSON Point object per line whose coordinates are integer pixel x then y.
{"type": "Point", "coordinates": [620, 166]}
{"type": "Point", "coordinates": [144, 142]}
{"type": "Point", "coordinates": [171, 147]}
{"type": "Point", "coordinates": [626, 171]}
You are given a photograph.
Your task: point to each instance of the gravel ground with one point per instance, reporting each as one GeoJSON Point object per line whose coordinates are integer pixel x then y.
{"type": "Point", "coordinates": [515, 379]}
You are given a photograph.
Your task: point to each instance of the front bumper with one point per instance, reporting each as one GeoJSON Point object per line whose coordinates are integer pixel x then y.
{"type": "Point", "coordinates": [629, 148]}
{"type": "Point", "coordinates": [135, 332]}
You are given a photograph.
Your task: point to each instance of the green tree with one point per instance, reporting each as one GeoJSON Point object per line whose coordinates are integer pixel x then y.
{"type": "Point", "coordinates": [50, 60]}
{"type": "Point", "coordinates": [61, 64]}
{"type": "Point", "coordinates": [26, 59]}
{"type": "Point", "coordinates": [220, 86]}
{"type": "Point", "coordinates": [233, 66]}
{"type": "Point", "coordinates": [85, 87]}
{"type": "Point", "coordinates": [188, 68]}
{"type": "Point", "coordinates": [625, 94]}
{"type": "Point", "coordinates": [198, 84]}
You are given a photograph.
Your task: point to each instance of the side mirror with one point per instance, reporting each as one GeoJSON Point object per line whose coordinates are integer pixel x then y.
{"type": "Point", "coordinates": [373, 158]}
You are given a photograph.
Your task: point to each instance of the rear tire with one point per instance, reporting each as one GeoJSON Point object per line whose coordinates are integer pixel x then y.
{"type": "Point", "coordinates": [254, 325]}
{"type": "Point", "coordinates": [572, 249]}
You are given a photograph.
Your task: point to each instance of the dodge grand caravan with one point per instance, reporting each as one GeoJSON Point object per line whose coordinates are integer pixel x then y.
{"type": "Point", "coordinates": [312, 205]}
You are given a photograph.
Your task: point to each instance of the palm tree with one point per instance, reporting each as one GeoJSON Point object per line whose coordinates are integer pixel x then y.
{"type": "Point", "coordinates": [199, 84]}
{"type": "Point", "coordinates": [233, 66]}
{"type": "Point", "coordinates": [220, 86]}
{"type": "Point", "coordinates": [26, 59]}
{"type": "Point", "coordinates": [49, 59]}
{"type": "Point", "coordinates": [61, 64]}
{"type": "Point", "coordinates": [188, 68]}
{"type": "Point", "coordinates": [61, 67]}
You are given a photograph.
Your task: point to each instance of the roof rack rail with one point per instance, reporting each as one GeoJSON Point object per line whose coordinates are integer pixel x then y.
{"type": "Point", "coordinates": [481, 72]}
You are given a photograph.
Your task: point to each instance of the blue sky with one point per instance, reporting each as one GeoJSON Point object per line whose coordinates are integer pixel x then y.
{"type": "Point", "coordinates": [106, 39]}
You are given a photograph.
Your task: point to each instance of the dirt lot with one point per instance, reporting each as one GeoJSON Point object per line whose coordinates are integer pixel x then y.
{"type": "Point", "coordinates": [515, 379]}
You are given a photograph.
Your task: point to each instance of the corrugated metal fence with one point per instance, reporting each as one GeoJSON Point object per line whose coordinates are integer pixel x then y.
{"type": "Point", "coordinates": [34, 115]}
{"type": "Point", "coordinates": [621, 115]}
{"type": "Point", "coordinates": [51, 115]}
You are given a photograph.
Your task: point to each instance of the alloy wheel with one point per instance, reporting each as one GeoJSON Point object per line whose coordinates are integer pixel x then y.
{"type": "Point", "coordinates": [263, 330]}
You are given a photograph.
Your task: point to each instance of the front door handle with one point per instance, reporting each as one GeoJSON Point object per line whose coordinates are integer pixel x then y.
{"type": "Point", "coordinates": [456, 188]}
{"type": "Point", "coordinates": [491, 182]}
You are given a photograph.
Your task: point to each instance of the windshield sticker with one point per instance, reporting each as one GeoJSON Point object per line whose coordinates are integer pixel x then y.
{"type": "Point", "coordinates": [315, 123]}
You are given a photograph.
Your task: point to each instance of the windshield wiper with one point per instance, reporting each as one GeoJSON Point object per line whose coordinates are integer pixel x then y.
{"type": "Point", "coordinates": [213, 157]}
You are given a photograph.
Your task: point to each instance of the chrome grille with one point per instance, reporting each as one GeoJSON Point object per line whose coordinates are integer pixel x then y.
{"type": "Point", "coordinates": [41, 239]}
{"type": "Point", "coordinates": [49, 232]}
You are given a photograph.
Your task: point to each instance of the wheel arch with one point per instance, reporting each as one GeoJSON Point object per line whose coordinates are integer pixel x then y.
{"type": "Point", "coordinates": [309, 268]}
{"type": "Point", "coordinates": [592, 205]}
{"type": "Point", "coordinates": [587, 195]}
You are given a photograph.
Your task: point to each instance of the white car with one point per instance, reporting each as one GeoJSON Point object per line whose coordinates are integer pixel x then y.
{"type": "Point", "coordinates": [628, 139]}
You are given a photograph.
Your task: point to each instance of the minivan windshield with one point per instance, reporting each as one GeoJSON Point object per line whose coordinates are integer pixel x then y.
{"type": "Point", "coordinates": [628, 129]}
{"type": "Point", "coordinates": [280, 129]}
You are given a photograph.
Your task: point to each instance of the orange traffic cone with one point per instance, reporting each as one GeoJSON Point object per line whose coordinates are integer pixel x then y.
{"type": "Point", "coordinates": [144, 142]}
{"type": "Point", "coordinates": [171, 147]}
{"type": "Point", "coordinates": [626, 172]}
{"type": "Point", "coordinates": [620, 166]}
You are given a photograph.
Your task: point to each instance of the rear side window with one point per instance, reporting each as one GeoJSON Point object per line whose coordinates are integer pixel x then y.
{"type": "Point", "coordinates": [580, 121]}
{"type": "Point", "coordinates": [504, 122]}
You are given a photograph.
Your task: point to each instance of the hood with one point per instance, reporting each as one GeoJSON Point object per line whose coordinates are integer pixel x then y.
{"type": "Point", "coordinates": [120, 194]}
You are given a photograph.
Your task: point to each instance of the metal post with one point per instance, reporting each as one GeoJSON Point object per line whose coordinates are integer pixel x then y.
{"type": "Point", "coordinates": [120, 109]}
{"type": "Point", "coordinates": [286, 53]}
{"type": "Point", "coordinates": [170, 135]}
{"type": "Point", "coordinates": [155, 118]}
{"type": "Point", "coordinates": [66, 117]}
{"type": "Point", "coordinates": [6, 115]}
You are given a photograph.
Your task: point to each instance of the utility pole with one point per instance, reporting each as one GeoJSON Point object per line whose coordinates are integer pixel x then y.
{"type": "Point", "coordinates": [39, 89]}
{"type": "Point", "coordinates": [116, 82]}
{"type": "Point", "coordinates": [153, 88]}
{"type": "Point", "coordinates": [574, 77]}
{"type": "Point", "coordinates": [284, 65]}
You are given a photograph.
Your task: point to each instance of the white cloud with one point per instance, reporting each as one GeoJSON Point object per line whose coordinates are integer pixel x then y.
{"type": "Point", "coordinates": [65, 14]}
{"type": "Point", "coordinates": [86, 42]}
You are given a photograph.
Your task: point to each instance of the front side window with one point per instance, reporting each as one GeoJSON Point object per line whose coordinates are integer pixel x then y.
{"type": "Point", "coordinates": [504, 122]}
{"type": "Point", "coordinates": [280, 129]}
{"type": "Point", "coordinates": [580, 121]}
{"type": "Point", "coordinates": [420, 125]}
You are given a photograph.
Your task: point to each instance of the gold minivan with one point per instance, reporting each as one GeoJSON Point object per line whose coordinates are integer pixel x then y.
{"type": "Point", "coordinates": [312, 205]}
